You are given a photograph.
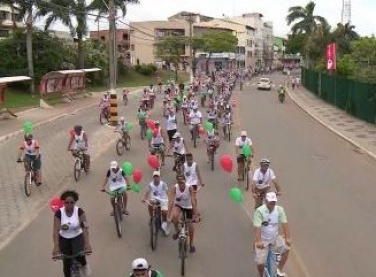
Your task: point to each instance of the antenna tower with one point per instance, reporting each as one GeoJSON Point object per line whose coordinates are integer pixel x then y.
{"type": "Point", "coordinates": [346, 12]}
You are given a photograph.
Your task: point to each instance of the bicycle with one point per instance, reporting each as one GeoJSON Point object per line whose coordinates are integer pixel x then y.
{"type": "Point", "coordinates": [195, 134]}
{"type": "Point", "coordinates": [118, 210]}
{"type": "Point", "coordinates": [178, 163]}
{"type": "Point", "coordinates": [104, 116]}
{"type": "Point", "coordinates": [185, 115]}
{"type": "Point", "coordinates": [30, 177]}
{"type": "Point", "coordinates": [158, 153]}
{"type": "Point", "coordinates": [125, 98]}
{"type": "Point", "coordinates": [272, 260]}
{"type": "Point", "coordinates": [124, 142]}
{"type": "Point", "coordinates": [211, 152]}
{"type": "Point", "coordinates": [79, 164]}
{"type": "Point", "coordinates": [142, 130]}
{"type": "Point", "coordinates": [227, 130]}
{"type": "Point", "coordinates": [245, 173]}
{"type": "Point", "coordinates": [75, 265]}
{"type": "Point", "coordinates": [155, 222]}
{"type": "Point", "coordinates": [182, 242]}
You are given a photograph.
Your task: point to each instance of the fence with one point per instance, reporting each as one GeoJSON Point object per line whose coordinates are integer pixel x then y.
{"type": "Point", "coordinates": [356, 98]}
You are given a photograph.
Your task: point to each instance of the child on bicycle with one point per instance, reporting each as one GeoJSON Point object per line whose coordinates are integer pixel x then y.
{"type": "Point", "coordinates": [30, 150]}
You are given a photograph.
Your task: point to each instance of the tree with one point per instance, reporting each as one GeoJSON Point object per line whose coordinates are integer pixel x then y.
{"type": "Point", "coordinates": [316, 43]}
{"type": "Point", "coordinates": [172, 49]}
{"type": "Point", "coordinates": [101, 6]}
{"type": "Point", "coordinates": [307, 20]}
{"type": "Point", "coordinates": [295, 43]}
{"type": "Point", "coordinates": [343, 35]}
{"type": "Point", "coordinates": [217, 42]}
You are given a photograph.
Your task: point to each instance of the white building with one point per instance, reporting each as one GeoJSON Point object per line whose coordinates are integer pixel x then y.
{"type": "Point", "coordinates": [6, 21]}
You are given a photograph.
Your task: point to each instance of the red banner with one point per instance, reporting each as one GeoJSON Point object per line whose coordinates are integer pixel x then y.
{"type": "Point", "coordinates": [331, 57]}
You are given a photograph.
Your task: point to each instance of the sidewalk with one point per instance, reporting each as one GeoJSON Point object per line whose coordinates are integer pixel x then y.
{"type": "Point", "coordinates": [359, 133]}
{"type": "Point", "coordinates": [39, 116]}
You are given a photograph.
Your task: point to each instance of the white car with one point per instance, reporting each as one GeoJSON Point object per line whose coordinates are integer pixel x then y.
{"type": "Point", "coordinates": [264, 83]}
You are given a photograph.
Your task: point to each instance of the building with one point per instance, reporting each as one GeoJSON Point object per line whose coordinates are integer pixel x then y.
{"type": "Point", "coordinates": [66, 36]}
{"type": "Point", "coordinates": [144, 35]}
{"type": "Point", "coordinates": [279, 52]}
{"type": "Point", "coordinates": [9, 21]}
{"type": "Point", "coordinates": [216, 61]}
{"type": "Point", "coordinates": [123, 43]}
{"type": "Point", "coordinates": [263, 37]}
{"type": "Point", "coordinates": [196, 18]}
{"type": "Point", "coordinates": [244, 33]}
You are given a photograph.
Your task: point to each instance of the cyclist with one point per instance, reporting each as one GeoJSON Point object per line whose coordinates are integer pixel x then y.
{"type": "Point", "coordinates": [171, 124]}
{"type": "Point", "coordinates": [157, 141]}
{"type": "Point", "coordinates": [116, 180]}
{"type": "Point", "coordinates": [70, 233]}
{"type": "Point", "coordinates": [267, 221]}
{"type": "Point", "coordinates": [142, 116]}
{"type": "Point", "coordinates": [30, 149]}
{"type": "Point", "coordinates": [182, 199]}
{"type": "Point", "coordinates": [212, 141]}
{"type": "Point", "coordinates": [123, 128]}
{"type": "Point", "coordinates": [180, 148]}
{"type": "Point", "coordinates": [125, 94]}
{"type": "Point", "coordinates": [80, 140]}
{"type": "Point", "coordinates": [104, 104]}
{"type": "Point", "coordinates": [158, 191]}
{"type": "Point", "coordinates": [226, 118]}
{"type": "Point", "coordinates": [241, 159]}
{"type": "Point", "coordinates": [195, 118]}
{"type": "Point", "coordinates": [141, 268]}
{"type": "Point", "coordinates": [261, 181]}
{"type": "Point", "coordinates": [212, 116]}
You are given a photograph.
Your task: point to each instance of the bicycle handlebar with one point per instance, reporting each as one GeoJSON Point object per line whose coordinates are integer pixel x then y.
{"type": "Point", "coordinates": [152, 203]}
{"type": "Point", "coordinates": [62, 256]}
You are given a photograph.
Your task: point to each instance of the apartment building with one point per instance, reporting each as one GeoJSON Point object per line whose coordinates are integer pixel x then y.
{"type": "Point", "coordinates": [8, 21]}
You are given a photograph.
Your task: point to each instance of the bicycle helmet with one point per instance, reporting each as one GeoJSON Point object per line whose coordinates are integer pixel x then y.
{"type": "Point", "coordinates": [264, 161]}
{"type": "Point", "coordinates": [140, 264]}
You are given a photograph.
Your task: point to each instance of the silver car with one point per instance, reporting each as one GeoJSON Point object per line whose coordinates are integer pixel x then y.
{"type": "Point", "coordinates": [264, 84]}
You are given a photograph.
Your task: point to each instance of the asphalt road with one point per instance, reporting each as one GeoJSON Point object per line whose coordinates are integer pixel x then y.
{"type": "Point", "coordinates": [328, 197]}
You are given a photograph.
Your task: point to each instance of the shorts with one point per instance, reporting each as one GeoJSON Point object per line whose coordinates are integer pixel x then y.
{"type": "Point", "coordinates": [192, 126]}
{"type": "Point", "coordinates": [179, 157]}
{"type": "Point", "coordinates": [121, 190]}
{"type": "Point", "coordinates": [163, 203]}
{"type": "Point", "coordinates": [36, 163]}
{"type": "Point", "coordinates": [188, 212]}
{"type": "Point", "coordinates": [170, 134]}
{"type": "Point", "coordinates": [278, 246]}
{"type": "Point", "coordinates": [156, 147]}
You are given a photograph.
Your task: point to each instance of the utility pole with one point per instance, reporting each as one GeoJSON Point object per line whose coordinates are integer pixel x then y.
{"type": "Point", "coordinates": [190, 17]}
{"type": "Point", "coordinates": [112, 62]}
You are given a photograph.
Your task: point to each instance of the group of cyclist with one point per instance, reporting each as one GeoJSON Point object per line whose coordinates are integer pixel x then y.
{"type": "Point", "coordinates": [215, 93]}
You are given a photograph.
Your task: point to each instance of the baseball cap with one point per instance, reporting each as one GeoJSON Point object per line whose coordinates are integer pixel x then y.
{"type": "Point", "coordinates": [271, 197]}
{"type": "Point", "coordinates": [156, 173]}
{"type": "Point", "coordinates": [176, 135]}
{"type": "Point", "coordinates": [243, 134]}
{"type": "Point", "coordinates": [113, 164]}
{"type": "Point", "coordinates": [140, 264]}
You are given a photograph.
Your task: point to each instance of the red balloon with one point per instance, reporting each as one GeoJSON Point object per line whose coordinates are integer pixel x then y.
{"type": "Point", "coordinates": [155, 132]}
{"type": "Point", "coordinates": [137, 176]}
{"type": "Point", "coordinates": [151, 124]}
{"type": "Point", "coordinates": [56, 203]}
{"type": "Point", "coordinates": [153, 161]}
{"type": "Point", "coordinates": [226, 163]}
{"type": "Point", "coordinates": [201, 130]}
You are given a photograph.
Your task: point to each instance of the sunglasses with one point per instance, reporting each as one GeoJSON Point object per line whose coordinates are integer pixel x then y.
{"type": "Point", "coordinates": [69, 202]}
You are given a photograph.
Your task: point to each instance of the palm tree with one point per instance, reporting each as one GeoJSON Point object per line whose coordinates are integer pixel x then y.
{"type": "Point", "coordinates": [343, 35]}
{"type": "Point", "coordinates": [101, 6]}
{"type": "Point", "coordinates": [68, 12]}
{"type": "Point", "coordinates": [307, 20]}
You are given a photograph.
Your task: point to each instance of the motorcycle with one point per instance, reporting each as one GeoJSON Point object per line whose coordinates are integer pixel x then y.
{"type": "Point", "coordinates": [281, 95]}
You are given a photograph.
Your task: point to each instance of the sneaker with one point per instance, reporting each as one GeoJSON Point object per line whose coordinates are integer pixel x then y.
{"type": "Point", "coordinates": [165, 228]}
{"type": "Point", "coordinates": [192, 249]}
{"type": "Point", "coordinates": [86, 270]}
{"type": "Point", "coordinates": [280, 273]}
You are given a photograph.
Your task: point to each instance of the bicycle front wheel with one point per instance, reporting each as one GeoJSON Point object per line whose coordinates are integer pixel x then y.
{"type": "Point", "coordinates": [117, 217]}
{"type": "Point", "coordinates": [182, 255]}
{"type": "Point", "coordinates": [153, 233]}
{"type": "Point", "coordinates": [27, 184]}
{"type": "Point", "coordinates": [229, 132]}
{"type": "Point", "coordinates": [246, 173]}
{"type": "Point", "coordinates": [102, 118]}
{"type": "Point", "coordinates": [77, 170]}
{"type": "Point", "coordinates": [120, 147]}
{"type": "Point", "coordinates": [212, 160]}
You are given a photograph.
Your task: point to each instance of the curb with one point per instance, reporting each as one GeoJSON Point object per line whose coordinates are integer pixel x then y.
{"type": "Point", "coordinates": [338, 133]}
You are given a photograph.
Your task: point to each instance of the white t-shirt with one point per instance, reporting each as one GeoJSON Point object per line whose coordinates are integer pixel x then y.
{"type": "Point", "coordinates": [183, 199]}
{"type": "Point", "coordinates": [262, 178]}
{"type": "Point", "coordinates": [240, 143]}
{"type": "Point", "coordinates": [195, 117]}
{"type": "Point", "coordinates": [179, 146]}
{"type": "Point", "coordinates": [159, 192]}
{"type": "Point", "coordinates": [116, 179]}
{"type": "Point", "coordinates": [190, 173]}
{"type": "Point", "coordinates": [171, 122]}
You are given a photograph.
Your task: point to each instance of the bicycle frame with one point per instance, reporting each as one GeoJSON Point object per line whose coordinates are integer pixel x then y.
{"type": "Point", "coordinates": [75, 265]}
{"type": "Point", "coordinates": [271, 264]}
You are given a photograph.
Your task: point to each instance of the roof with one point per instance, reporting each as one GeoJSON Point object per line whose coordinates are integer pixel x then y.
{"type": "Point", "coordinates": [210, 25]}
{"type": "Point", "coordinates": [77, 71]}
{"type": "Point", "coordinates": [5, 80]}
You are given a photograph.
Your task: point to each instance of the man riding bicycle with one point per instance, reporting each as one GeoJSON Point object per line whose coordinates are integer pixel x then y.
{"type": "Point", "coordinates": [158, 192]}
{"type": "Point", "coordinates": [212, 142]}
{"type": "Point", "coordinates": [142, 116]}
{"type": "Point", "coordinates": [195, 118]}
{"type": "Point", "coordinates": [80, 140]}
{"type": "Point", "coordinates": [30, 150]}
{"type": "Point", "coordinates": [180, 148]}
{"type": "Point", "coordinates": [240, 142]}
{"type": "Point", "coordinates": [123, 128]}
{"type": "Point", "coordinates": [141, 268]}
{"type": "Point", "coordinates": [157, 141]}
{"type": "Point", "coordinates": [104, 104]}
{"type": "Point", "coordinates": [212, 116]}
{"type": "Point", "coordinates": [116, 180]}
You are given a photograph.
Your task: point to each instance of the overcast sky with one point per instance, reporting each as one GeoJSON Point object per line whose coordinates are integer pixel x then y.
{"type": "Point", "coordinates": [362, 12]}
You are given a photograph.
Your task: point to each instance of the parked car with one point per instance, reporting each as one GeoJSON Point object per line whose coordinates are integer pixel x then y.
{"type": "Point", "coordinates": [264, 84]}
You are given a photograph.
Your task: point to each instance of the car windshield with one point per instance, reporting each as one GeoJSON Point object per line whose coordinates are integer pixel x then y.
{"type": "Point", "coordinates": [264, 81]}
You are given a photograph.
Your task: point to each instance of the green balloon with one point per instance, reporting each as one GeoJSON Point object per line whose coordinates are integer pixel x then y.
{"type": "Point", "coordinates": [136, 188]}
{"type": "Point", "coordinates": [129, 126]}
{"type": "Point", "coordinates": [236, 195]}
{"type": "Point", "coordinates": [149, 134]}
{"type": "Point", "coordinates": [27, 127]}
{"type": "Point", "coordinates": [247, 151]}
{"type": "Point", "coordinates": [209, 126]}
{"type": "Point", "coordinates": [127, 168]}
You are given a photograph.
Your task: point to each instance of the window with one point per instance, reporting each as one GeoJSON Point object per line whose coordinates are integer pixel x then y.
{"type": "Point", "coordinates": [249, 54]}
{"type": "Point", "coordinates": [125, 37]}
{"type": "Point", "coordinates": [240, 49]}
{"type": "Point", "coordinates": [4, 33]}
{"type": "Point", "coordinates": [103, 38]}
{"type": "Point", "coordinates": [132, 47]}
{"type": "Point", "coordinates": [4, 15]}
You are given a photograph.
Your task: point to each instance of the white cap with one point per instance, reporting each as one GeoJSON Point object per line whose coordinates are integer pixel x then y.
{"type": "Point", "coordinates": [140, 264]}
{"type": "Point", "coordinates": [156, 173]}
{"type": "Point", "coordinates": [113, 164]}
{"type": "Point", "coordinates": [243, 134]}
{"type": "Point", "coordinates": [195, 107]}
{"type": "Point", "coordinates": [176, 135]}
{"type": "Point", "coordinates": [271, 197]}
{"type": "Point", "coordinates": [122, 118]}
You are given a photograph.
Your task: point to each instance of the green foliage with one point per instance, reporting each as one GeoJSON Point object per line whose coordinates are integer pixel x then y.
{"type": "Point", "coordinates": [145, 69]}
{"type": "Point", "coordinates": [171, 48]}
{"type": "Point", "coordinates": [295, 43]}
{"type": "Point", "coordinates": [217, 42]}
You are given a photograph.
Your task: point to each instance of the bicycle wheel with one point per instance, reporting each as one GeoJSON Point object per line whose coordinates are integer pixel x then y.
{"type": "Point", "coordinates": [128, 144]}
{"type": "Point", "coordinates": [120, 147]}
{"type": "Point", "coordinates": [102, 118]}
{"type": "Point", "coordinates": [77, 170]}
{"type": "Point", "coordinates": [212, 159]}
{"type": "Point", "coordinates": [117, 217]}
{"type": "Point", "coordinates": [182, 255]}
{"type": "Point", "coordinates": [184, 117]}
{"type": "Point", "coordinates": [27, 183]}
{"type": "Point", "coordinates": [246, 173]}
{"type": "Point", "coordinates": [194, 138]}
{"type": "Point", "coordinates": [229, 132]}
{"type": "Point", "coordinates": [153, 233]}
{"type": "Point", "coordinates": [75, 268]}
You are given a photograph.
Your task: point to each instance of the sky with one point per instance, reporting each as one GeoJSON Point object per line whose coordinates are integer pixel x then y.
{"type": "Point", "coordinates": [273, 10]}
